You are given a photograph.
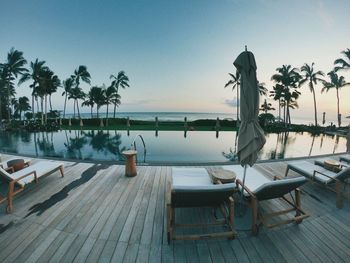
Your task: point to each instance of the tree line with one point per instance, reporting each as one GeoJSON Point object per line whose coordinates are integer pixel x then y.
{"type": "Point", "coordinates": [289, 79]}
{"type": "Point", "coordinates": [44, 82]}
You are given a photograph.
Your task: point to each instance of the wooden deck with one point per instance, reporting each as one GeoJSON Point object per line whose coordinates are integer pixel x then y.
{"type": "Point", "coordinates": [96, 214]}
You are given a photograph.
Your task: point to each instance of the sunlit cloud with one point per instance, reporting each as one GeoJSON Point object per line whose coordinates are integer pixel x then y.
{"type": "Point", "coordinates": [231, 103]}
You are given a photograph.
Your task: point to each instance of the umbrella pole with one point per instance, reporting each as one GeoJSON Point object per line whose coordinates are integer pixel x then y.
{"type": "Point", "coordinates": [244, 174]}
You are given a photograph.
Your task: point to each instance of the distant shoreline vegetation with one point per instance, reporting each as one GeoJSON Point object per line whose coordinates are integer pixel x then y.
{"type": "Point", "coordinates": [43, 82]}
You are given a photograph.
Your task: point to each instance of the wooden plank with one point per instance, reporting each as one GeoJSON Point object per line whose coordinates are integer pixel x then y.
{"type": "Point", "coordinates": [287, 249]}
{"type": "Point", "coordinates": [250, 250]}
{"type": "Point", "coordinates": [107, 251]}
{"type": "Point", "coordinates": [131, 253]}
{"type": "Point", "coordinates": [239, 251]}
{"type": "Point", "coordinates": [85, 250]}
{"type": "Point", "coordinates": [63, 248]}
{"type": "Point", "coordinates": [96, 251]}
{"type": "Point", "coordinates": [131, 213]}
{"type": "Point", "coordinates": [168, 253]}
{"type": "Point", "coordinates": [143, 254]}
{"type": "Point", "coordinates": [158, 226]}
{"type": "Point", "coordinates": [215, 252]}
{"type": "Point", "coordinates": [119, 252]}
{"type": "Point", "coordinates": [126, 197]}
{"type": "Point", "coordinates": [125, 221]}
{"type": "Point", "coordinates": [16, 249]}
{"type": "Point", "coordinates": [52, 248]}
{"type": "Point", "coordinates": [270, 248]}
{"type": "Point", "coordinates": [146, 236]}
{"type": "Point", "coordinates": [74, 248]}
{"type": "Point", "coordinates": [155, 254]}
{"type": "Point", "coordinates": [39, 248]}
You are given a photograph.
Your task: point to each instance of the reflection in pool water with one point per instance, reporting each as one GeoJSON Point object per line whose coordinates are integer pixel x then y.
{"type": "Point", "coordinates": [165, 146]}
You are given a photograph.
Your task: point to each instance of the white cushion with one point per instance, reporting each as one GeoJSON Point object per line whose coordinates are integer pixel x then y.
{"type": "Point", "coordinates": [253, 180]}
{"type": "Point", "coordinates": [190, 177]}
{"type": "Point", "coordinates": [308, 169]}
{"type": "Point", "coordinates": [41, 168]}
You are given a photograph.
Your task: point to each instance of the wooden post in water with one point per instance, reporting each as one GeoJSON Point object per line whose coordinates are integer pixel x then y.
{"type": "Point", "coordinates": [185, 124]}
{"type": "Point", "coordinates": [217, 127]}
{"type": "Point", "coordinates": [157, 126]}
{"type": "Point", "coordinates": [128, 126]}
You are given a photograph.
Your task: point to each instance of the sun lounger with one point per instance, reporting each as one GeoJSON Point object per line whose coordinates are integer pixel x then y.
{"type": "Point", "coordinates": [258, 187]}
{"type": "Point", "coordinates": [192, 187]}
{"type": "Point", "coordinates": [5, 165]}
{"type": "Point", "coordinates": [26, 176]}
{"type": "Point", "coordinates": [323, 176]}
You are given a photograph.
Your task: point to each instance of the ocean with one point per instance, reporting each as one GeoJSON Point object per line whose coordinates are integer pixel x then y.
{"type": "Point", "coordinates": [192, 116]}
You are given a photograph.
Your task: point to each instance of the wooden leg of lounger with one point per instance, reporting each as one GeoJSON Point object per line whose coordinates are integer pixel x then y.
{"type": "Point", "coordinates": [339, 192]}
{"type": "Point", "coordinates": [287, 170]}
{"type": "Point", "coordinates": [169, 223]}
{"type": "Point", "coordinates": [297, 201]}
{"type": "Point", "coordinates": [232, 212]}
{"type": "Point", "coordinates": [9, 207]}
{"type": "Point", "coordinates": [254, 204]}
{"type": "Point", "coordinates": [62, 170]}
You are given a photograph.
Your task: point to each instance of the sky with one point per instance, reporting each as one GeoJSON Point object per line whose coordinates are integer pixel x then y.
{"type": "Point", "coordinates": [177, 54]}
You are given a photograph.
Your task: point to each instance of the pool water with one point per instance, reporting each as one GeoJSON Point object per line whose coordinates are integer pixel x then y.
{"type": "Point", "coordinates": [163, 147]}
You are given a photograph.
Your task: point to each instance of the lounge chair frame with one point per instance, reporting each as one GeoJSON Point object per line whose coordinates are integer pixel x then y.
{"type": "Point", "coordinates": [228, 220]}
{"type": "Point", "coordinates": [339, 188]}
{"type": "Point", "coordinates": [253, 202]}
{"type": "Point", "coordinates": [11, 188]}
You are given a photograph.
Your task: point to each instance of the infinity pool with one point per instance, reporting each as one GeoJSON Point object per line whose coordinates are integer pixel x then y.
{"type": "Point", "coordinates": [164, 147]}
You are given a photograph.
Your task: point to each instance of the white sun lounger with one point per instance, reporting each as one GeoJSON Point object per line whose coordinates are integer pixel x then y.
{"type": "Point", "coordinates": [323, 176]}
{"type": "Point", "coordinates": [345, 158]}
{"type": "Point", "coordinates": [192, 187]}
{"type": "Point", "coordinates": [258, 187]}
{"type": "Point", "coordinates": [26, 176]}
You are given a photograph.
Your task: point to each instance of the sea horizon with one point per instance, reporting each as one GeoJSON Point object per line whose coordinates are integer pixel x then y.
{"type": "Point", "coordinates": [191, 116]}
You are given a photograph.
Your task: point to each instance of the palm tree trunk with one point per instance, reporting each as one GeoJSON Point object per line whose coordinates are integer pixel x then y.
{"type": "Point", "coordinates": [107, 115]}
{"type": "Point", "coordinates": [45, 109]}
{"type": "Point", "coordinates": [37, 104]}
{"type": "Point", "coordinates": [74, 110]}
{"type": "Point", "coordinates": [50, 102]}
{"type": "Point", "coordinates": [0, 111]}
{"type": "Point", "coordinates": [313, 92]}
{"type": "Point", "coordinates": [338, 107]}
{"type": "Point", "coordinates": [42, 111]}
{"type": "Point", "coordinates": [64, 107]}
{"type": "Point", "coordinates": [115, 108]}
{"type": "Point", "coordinates": [91, 112]}
{"type": "Point", "coordinates": [33, 107]}
{"type": "Point", "coordinates": [97, 112]}
{"type": "Point", "coordinates": [78, 109]}
{"type": "Point", "coordinates": [237, 105]}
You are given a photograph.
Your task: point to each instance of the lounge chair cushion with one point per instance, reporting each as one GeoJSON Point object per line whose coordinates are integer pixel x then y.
{"type": "Point", "coordinates": [345, 158]}
{"type": "Point", "coordinates": [307, 169]}
{"type": "Point", "coordinates": [193, 187]}
{"type": "Point", "coordinates": [262, 187]}
{"type": "Point", "coordinates": [42, 168]}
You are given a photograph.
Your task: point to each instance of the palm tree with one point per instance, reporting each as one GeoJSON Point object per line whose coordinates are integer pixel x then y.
{"type": "Point", "coordinates": [265, 107]}
{"type": "Point", "coordinates": [35, 68]}
{"type": "Point", "coordinates": [335, 82]}
{"type": "Point", "coordinates": [89, 100]}
{"type": "Point", "coordinates": [262, 89]}
{"type": "Point", "coordinates": [277, 94]}
{"type": "Point", "coordinates": [99, 97]}
{"type": "Point", "coordinates": [235, 83]}
{"type": "Point", "coordinates": [289, 78]}
{"type": "Point", "coordinates": [311, 77]}
{"type": "Point", "coordinates": [67, 85]}
{"type": "Point", "coordinates": [22, 106]}
{"type": "Point", "coordinates": [77, 93]}
{"type": "Point", "coordinates": [11, 69]}
{"type": "Point", "coordinates": [341, 63]}
{"type": "Point", "coordinates": [110, 91]}
{"type": "Point", "coordinates": [121, 81]}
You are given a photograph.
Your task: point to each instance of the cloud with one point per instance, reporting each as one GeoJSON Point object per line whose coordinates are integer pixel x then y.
{"type": "Point", "coordinates": [139, 102]}
{"type": "Point", "coordinates": [231, 103]}
{"type": "Point", "coordinates": [324, 15]}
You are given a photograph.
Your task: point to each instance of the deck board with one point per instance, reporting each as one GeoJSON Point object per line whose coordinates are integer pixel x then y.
{"type": "Point", "coordinates": [96, 214]}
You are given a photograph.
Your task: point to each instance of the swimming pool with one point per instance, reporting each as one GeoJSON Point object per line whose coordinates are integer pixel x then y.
{"type": "Point", "coordinates": [163, 147]}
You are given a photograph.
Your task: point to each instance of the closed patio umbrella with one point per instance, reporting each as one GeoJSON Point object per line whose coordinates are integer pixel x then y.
{"type": "Point", "coordinates": [250, 137]}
